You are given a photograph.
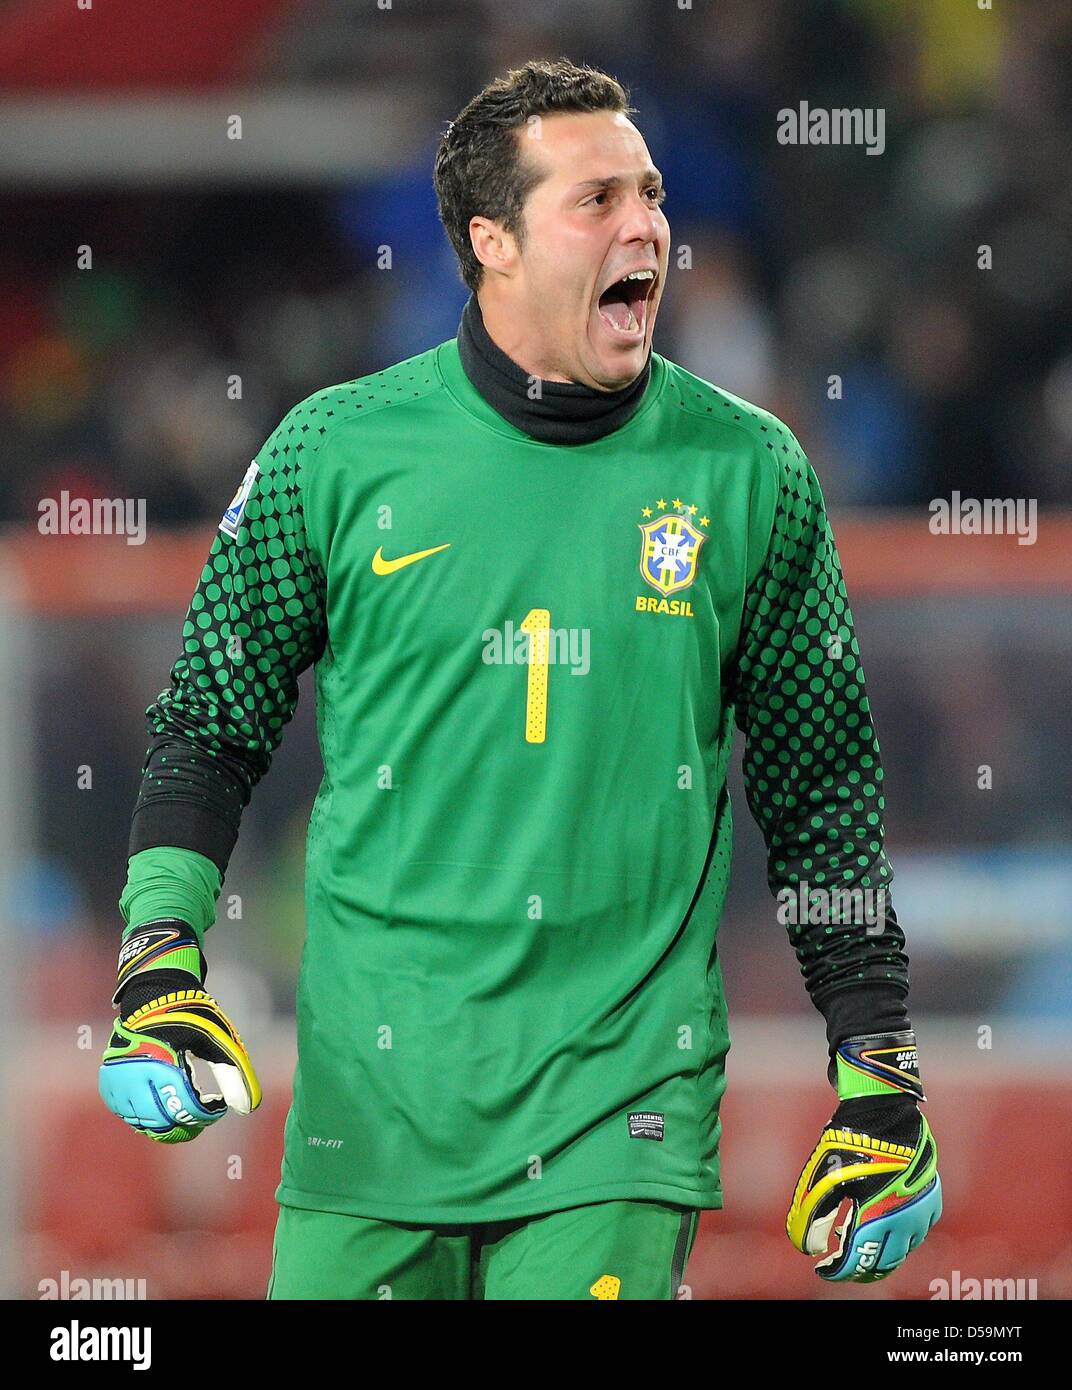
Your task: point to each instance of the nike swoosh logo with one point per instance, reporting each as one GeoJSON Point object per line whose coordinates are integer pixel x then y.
{"type": "Point", "coordinates": [382, 566]}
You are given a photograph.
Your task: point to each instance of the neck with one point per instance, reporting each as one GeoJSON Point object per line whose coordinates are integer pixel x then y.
{"type": "Point", "coordinates": [554, 412]}
{"type": "Point", "coordinates": [505, 327]}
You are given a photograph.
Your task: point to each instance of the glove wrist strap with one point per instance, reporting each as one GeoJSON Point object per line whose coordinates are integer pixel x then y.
{"type": "Point", "coordinates": [166, 944]}
{"type": "Point", "coordinates": [879, 1064]}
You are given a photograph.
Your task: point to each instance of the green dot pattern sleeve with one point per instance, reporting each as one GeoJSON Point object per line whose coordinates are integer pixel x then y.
{"type": "Point", "coordinates": [812, 768]}
{"type": "Point", "coordinates": [256, 621]}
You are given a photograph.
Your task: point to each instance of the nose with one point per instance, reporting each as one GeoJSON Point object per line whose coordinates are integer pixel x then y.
{"type": "Point", "coordinates": [642, 220]}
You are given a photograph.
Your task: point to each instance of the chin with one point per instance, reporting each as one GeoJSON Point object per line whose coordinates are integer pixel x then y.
{"type": "Point", "coordinates": [613, 372]}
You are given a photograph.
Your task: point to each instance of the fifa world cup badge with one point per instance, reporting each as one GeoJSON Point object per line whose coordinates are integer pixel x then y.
{"type": "Point", "coordinates": [232, 517]}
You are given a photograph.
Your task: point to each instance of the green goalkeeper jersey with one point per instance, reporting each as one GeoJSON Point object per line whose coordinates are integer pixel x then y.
{"type": "Point", "coordinates": [529, 662]}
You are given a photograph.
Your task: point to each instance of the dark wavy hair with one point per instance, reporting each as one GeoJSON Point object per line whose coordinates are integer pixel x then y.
{"type": "Point", "coordinates": [480, 167]}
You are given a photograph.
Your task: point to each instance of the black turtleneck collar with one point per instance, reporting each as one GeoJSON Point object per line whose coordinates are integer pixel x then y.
{"type": "Point", "coordinates": [564, 412]}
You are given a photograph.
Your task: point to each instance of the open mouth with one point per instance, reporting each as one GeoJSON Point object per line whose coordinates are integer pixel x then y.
{"type": "Point", "coordinates": [623, 306]}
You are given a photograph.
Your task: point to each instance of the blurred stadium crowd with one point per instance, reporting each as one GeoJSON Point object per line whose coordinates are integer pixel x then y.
{"type": "Point", "coordinates": [803, 266]}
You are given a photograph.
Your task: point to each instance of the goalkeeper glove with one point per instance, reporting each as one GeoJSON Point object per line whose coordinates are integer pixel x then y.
{"type": "Point", "coordinates": [872, 1178]}
{"type": "Point", "coordinates": [166, 1020]}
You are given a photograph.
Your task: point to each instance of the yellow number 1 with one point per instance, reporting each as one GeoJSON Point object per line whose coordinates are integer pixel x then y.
{"type": "Point", "coordinates": [538, 624]}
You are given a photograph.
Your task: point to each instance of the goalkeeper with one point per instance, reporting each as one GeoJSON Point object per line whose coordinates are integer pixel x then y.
{"type": "Point", "coordinates": [541, 572]}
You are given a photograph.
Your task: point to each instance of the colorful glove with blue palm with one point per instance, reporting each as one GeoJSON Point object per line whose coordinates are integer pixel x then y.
{"type": "Point", "coordinates": [167, 1021]}
{"type": "Point", "coordinates": [870, 1191]}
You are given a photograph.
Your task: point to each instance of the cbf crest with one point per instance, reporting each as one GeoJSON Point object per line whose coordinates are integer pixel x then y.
{"type": "Point", "coordinates": [670, 551]}
{"type": "Point", "coordinates": [670, 545]}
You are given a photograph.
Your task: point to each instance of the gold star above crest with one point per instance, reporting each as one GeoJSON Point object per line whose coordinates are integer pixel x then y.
{"type": "Point", "coordinates": [686, 509]}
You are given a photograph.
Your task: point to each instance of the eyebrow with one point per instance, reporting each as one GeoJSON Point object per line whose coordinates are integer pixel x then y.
{"type": "Point", "coordinates": [618, 181]}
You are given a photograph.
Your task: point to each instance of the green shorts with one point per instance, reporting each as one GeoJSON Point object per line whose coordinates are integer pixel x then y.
{"type": "Point", "coordinates": [608, 1250]}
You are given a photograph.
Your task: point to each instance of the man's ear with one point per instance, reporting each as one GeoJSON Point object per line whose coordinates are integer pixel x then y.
{"type": "Point", "coordinates": [494, 247]}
